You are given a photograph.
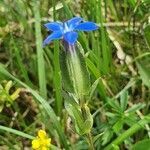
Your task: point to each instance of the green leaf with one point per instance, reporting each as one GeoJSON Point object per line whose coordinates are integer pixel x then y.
{"type": "Point", "coordinates": [147, 34]}
{"type": "Point", "coordinates": [53, 147]}
{"type": "Point", "coordinates": [124, 100]}
{"type": "Point", "coordinates": [70, 98]}
{"type": "Point", "coordinates": [130, 119]}
{"type": "Point", "coordinates": [97, 137]}
{"type": "Point", "coordinates": [132, 2]}
{"type": "Point", "coordinates": [82, 124]}
{"type": "Point", "coordinates": [8, 86]}
{"type": "Point", "coordinates": [142, 145]}
{"type": "Point", "coordinates": [109, 114]}
{"type": "Point", "coordinates": [86, 126]}
{"type": "Point", "coordinates": [74, 71]}
{"type": "Point", "coordinates": [118, 125]}
{"type": "Point", "coordinates": [40, 56]}
{"type": "Point", "coordinates": [76, 116]}
{"type": "Point", "coordinates": [96, 72]}
{"type": "Point", "coordinates": [14, 131]}
{"type": "Point", "coordinates": [135, 107]}
{"type": "Point", "coordinates": [144, 72]}
{"type": "Point", "coordinates": [114, 104]}
{"type": "Point", "coordinates": [129, 132]}
{"type": "Point", "coordinates": [88, 122]}
{"type": "Point", "coordinates": [115, 147]}
{"type": "Point", "coordinates": [93, 87]}
{"type": "Point", "coordinates": [108, 133]}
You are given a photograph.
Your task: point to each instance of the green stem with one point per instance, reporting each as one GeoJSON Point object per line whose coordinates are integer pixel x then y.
{"type": "Point", "coordinates": [57, 80]}
{"type": "Point", "coordinates": [40, 57]}
{"type": "Point", "coordinates": [89, 136]}
{"type": "Point", "coordinates": [90, 141]}
{"type": "Point", "coordinates": [129, 132]}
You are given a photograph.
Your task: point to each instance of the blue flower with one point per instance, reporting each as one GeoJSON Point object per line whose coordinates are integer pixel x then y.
{"type": "Point", "coordinates": [67, 30]}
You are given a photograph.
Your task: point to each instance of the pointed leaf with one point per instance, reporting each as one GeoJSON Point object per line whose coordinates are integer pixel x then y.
{"type": "Point", "coordinates": [124, 100]}
{"type": "Point", "coordinates": [114, 104]}
{"type": "Point", "coordinates": [118, 125]}
{"type": "Point", "coordinates": [70, 99]}
{"type": "Point", "coordinates": [88, 123]}
{"type": "Point", "coordinates": [135, 107]}
{"type": "Point", "coordinates": [93, 87]}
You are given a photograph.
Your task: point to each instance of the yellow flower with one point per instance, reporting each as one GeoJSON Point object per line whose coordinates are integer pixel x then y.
{"type": "Point", "coordinates": [41, 142]}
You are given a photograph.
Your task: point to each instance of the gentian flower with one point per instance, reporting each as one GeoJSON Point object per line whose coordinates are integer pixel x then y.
{"type": "Point", "coordinates": [67, 30]}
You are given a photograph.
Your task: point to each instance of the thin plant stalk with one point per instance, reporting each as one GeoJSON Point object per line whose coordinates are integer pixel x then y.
{"type": "Point", "coordinates": [40, 57]}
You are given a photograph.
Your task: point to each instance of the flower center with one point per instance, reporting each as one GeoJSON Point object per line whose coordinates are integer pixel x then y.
{"type": "Point", "coordinates": [67, 28]}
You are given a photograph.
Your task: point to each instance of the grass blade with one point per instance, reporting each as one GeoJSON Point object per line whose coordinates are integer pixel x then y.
{"type": "Point", "coordinates": [40, 58]}
{"type": "Point", "coordinates": [57, 80]}
{"type": "Point", "coordinates": [16, 132]}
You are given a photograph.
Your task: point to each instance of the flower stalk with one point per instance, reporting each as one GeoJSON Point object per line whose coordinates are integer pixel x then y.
{"type": "Point", "coordinates": [90, 141]}
{"type": "Point", "coordinates": [75, 76]}
{"type": "Point", "coordinates": [79, 78]}
{"type": "Point", "coordinates": [86, 112]}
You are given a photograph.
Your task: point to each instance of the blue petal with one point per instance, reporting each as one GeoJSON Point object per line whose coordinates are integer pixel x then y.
{"type": "Point", "coordinates": [54, 26]}
{"type": "Point", "coordinates": [72, 23]}
{"type": "Point", "coordinates": [86, 26]}
{"type": "Point", "coordinates": [71, 37]}
{"type": "Point", "coordinates": [55, 35]}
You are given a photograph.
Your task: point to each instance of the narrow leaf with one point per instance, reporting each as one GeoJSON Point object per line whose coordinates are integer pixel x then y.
{"type": "Point", "coordinates": [124, 100]}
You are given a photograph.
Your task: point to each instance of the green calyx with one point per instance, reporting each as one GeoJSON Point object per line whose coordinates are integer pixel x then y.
{"type": "Point", "coordinates": [75, 73]}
